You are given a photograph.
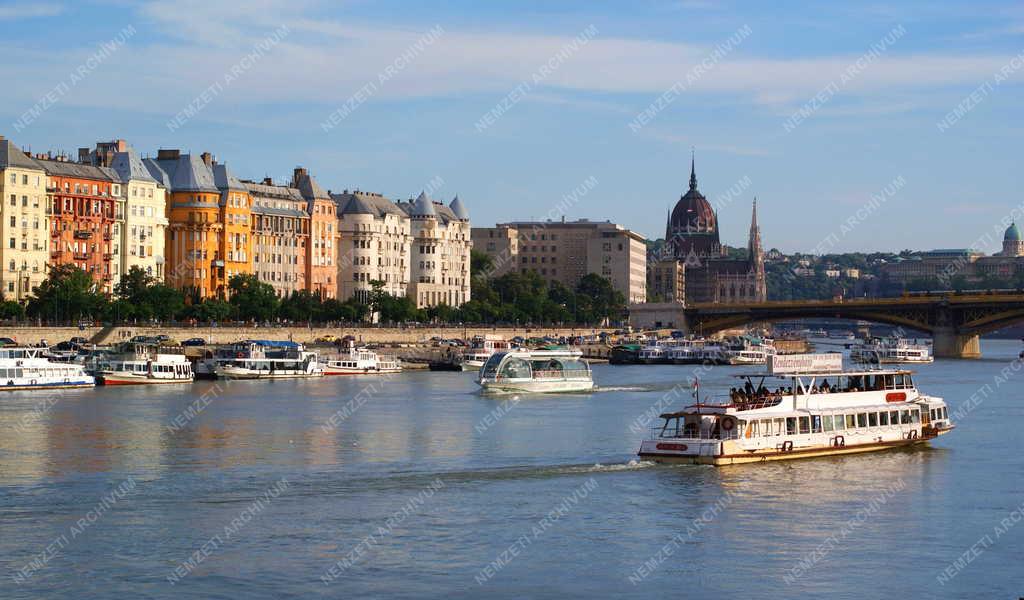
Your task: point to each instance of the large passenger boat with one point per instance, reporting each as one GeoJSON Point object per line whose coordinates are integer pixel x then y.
{"type": "Point", "coordinates": [536, 371]}
{"type": "Point", "coordinates": [359, 361]}
{"type": "Point", "coordinates": [812, 407]}
{"type": "Point", "coordinates": [891, 351]}
{"type": "Point", "coordinates": [260, 359]}
{"type": "Point", "coordinates": [135, 363]}
{"type": "Point", "coordinates": [24, 368]}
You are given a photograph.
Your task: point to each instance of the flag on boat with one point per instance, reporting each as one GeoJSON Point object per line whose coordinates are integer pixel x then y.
{"type": "Point", "coordinates": [696, 387]}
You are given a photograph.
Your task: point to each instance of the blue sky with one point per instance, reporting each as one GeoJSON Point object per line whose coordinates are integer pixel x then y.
{"type": "Point", "coordinates": [878, 122]}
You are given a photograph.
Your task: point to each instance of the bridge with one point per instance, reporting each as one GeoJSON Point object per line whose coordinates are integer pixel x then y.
{"type": "Point", "coordinates": [956, 320]}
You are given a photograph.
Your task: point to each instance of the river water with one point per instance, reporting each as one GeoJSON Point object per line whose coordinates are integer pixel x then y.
{"type": "Point", "coordinates": [415, 485]}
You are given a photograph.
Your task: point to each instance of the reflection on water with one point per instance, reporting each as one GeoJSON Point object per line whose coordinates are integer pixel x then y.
{"type": "Point", "coordinates": [355, 450]}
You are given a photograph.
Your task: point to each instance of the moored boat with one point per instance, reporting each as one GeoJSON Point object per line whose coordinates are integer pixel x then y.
{"type": "Point", "coordinates": [359, 361]}
{"type": "Point", "coordinates": [261, 359]}
{"type": "Point", "coordinates": [539, 371]}
{"type": "Point", "coordinates": [480, 351]}
{"type": "Point", "coordinates": [817, 409]}
{"type": "Point", "coordinates": [891, 351]}
{"type": "Point", "coordinates": [23, 368]}
{"type": "Point", "coordinates": [135, 363]}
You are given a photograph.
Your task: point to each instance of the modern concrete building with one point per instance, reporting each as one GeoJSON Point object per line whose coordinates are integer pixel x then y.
{"type": "Point", "coordinates": [24, 226]}
{"type": "Point", "coordinates": [565, 251]}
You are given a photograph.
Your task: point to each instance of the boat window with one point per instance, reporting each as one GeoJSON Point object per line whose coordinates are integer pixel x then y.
{"type": "Point", "coordinates": [516, 368]}
{"type": "Point", "coordinates": [909, 381]}
{"type": "Point", "coordinates": [19, 372]}
{"type": "Point", "coordinates": [805, 425]}
{"type": "Point", "coordinates": [905, 417]}
{"type": "Point", "coordinates": [790, 425]}
{"type": "Point", "coordinates": [851, 421]}
{"type": "Point", "coordinates": [945, 415]}
{"type": "Point", "coordinates": [816, 424]}
{"type": "Point", "coordinates": [777, 426]}
{"type": "Point", "coordinates": [862, 419]}
{"type": "Point", "coordinates": [883, 418]}
{"type": "Point", "coordinates": [828, 422]}
{"type": "Point", "coordinates": [873, 419]}
{"type": "Point", "coordinates": [915, 416]}
{"type": "Point", "coordinates": [894, 417]}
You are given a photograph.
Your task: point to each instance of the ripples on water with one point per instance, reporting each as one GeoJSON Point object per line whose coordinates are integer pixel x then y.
{"type": "Point", "coordinates": [462, 477]}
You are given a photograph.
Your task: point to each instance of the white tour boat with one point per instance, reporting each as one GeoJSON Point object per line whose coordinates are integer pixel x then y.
{"type": "Point", "coordinates": [657, 352]}
{"type": "Point", "coordinates": [751, 351]}
{"type": "Point", "coordinates": [135, 363]}
{"type": "Point", "coordinates": [27, 369]}
{"type": "Point", "coordinates": [480, 351]}
{"type": "Point", "coordinates": [815, 409]}
{"type": "Point", "coordinates": [539, 371]}
{"type": "Point", "coordinates": [261, 359]}
{"type": "Point", "coordinates": [359, 361]}
{"type": "Point", "coordinates": [891, 351]}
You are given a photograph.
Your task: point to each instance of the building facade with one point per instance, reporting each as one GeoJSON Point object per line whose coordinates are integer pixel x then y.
{"type": "Point", "coordinates": [194, 228]}
{"type": "Point", "coordinates": [692, 237]}
{"type": "Point", "coordinates": [322, 249]}
{"type": "Point", "coordinates": [567, 251]}
{"type": "Point", "coordinates": [440, 244]}
{"type": "Point", "coordinates": [234, 253]}
{"type": "Point", "coordinates": [85, 207]}
{"type": "Point", "coordinates": [374, 245]}
{"type": "Point", "coordinates": [24, 227]}
{"type": "Point", "coordinates": [280, 230]}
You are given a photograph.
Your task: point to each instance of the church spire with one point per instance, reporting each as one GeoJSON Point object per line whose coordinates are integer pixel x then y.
{"type": "Point", "coordinates": [693, 172]}
{"type": "Point", "coordinates": [754, 244]}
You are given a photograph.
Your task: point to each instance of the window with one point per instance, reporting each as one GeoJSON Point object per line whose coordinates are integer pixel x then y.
{"type": "Point", "coordinates": [805, 424]}
{"type": "Point", "coordinates": [883, 418]}
{"type": "Point", "coordinates": [790, 425]}
{"type": "Point", "coordinates": [894, 417]}
{"type": "Point", "coordinates": [862, 419]}
{"type": "Point", "coordinates": [872, 419]}
{"type": "Point", "coordinates": [851, 421]}
{"type": "Point", "coordinates": [828, 422]}
{"type": "Point", "coordinates": [815, 424]}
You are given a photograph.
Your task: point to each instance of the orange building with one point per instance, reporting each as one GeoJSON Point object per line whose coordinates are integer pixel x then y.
{"type": "Point", "coordinates": [194, 233]}
{"type": "Point", "coordinates": [321, 248]}
{"type": "Point", "coordinates": [234, 255]}
{"type": "Point", "coordinates": [83, 203]}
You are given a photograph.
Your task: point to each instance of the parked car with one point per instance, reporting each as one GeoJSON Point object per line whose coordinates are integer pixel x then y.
{"type": "Point", "coordinates": [194, 342]}
{"type": "Point", "coordinates": [6, 341]}
{"type": "Point", "coordinates": [326, 339]}
{"type": "Point", "coordinates": [79, 340]}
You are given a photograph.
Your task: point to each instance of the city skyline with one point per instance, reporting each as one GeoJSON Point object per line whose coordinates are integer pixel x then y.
{"type": "Point", "coordinates": [514, 108]}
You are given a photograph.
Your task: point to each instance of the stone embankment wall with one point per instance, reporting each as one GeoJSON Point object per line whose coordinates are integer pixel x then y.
{"type": "Point", "coordinates": [221, 335]}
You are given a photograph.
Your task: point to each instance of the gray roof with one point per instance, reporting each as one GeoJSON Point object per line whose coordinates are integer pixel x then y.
{"type": "Point", "coordinates": [11, 156]}
{"type": "Point", "coordinates": [443, 213]}
{"type": "Point", "coordinates": [309, 188]}
{"type": "Point", "coordinates": [261, 192]}
{"type": "Point", "coordinates": [129, 166]}
{"type": "Point", "coordinates": [71, 169]}
{"type": "Point", "coordinates": [424, 207]}
{"type": "Point", "coordinates": [225, 180]}
{"type": "Point", "coordinates": [374, 204]}
{"type": "Point", "coordinates": [357, 205]}
{"type": "Point", "coordinates": [187, 173]}
{"type": "Point", "coordinates": [157, 172]}
{"type": "Point", "coordinates": [458, 209]}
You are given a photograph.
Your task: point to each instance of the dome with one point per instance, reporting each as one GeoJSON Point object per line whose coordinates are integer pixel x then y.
{"type": "Point", "coordinates": [1012, 233]}
{"type": "Point", "coordinates": [693, 212]}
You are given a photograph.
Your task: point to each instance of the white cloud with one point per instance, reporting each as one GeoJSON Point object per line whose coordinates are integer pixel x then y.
{"type": "Point", "coordinates": [29, 10]}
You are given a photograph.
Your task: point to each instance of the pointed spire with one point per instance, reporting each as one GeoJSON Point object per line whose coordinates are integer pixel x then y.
{"type": "Point", "coordinates": [693, 171]}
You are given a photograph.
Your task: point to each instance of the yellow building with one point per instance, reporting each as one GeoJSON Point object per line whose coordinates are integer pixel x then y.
{"type": "Point", "coordinates": [195, 230]}
{"type": "Point", "coordinates": [24, 229]}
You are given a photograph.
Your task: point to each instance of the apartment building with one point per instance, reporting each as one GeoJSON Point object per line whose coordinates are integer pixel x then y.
{"type": "Point", "coordinates": [280, 231]}
{"type": "Point", "coordinates": [322, 249]}
{"type": "Point", "coordinates": [439, 251]}
{"type": "Point", "coordinates": [566, 251]}
{"type": "Point", "coordinates": [374, 244]}
{"type": "Point", "coordinates": [24, 228]}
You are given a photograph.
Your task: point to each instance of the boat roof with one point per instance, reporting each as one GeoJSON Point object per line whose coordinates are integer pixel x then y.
{"type": "Point", "coordinates": [271, 343]}
{"type": "Point", "coordinates": [543, 353]}
{"type": "Point", "coordinates": [824, 373]}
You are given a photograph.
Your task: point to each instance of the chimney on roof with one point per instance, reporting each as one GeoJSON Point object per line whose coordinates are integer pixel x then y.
{"type": "Point", "coordinates": [83, 155]}
{"type": "Point", "coordinates": [299, 172]}
{"type": "Point", "coordinates": [121, 145]}
{"type": "Point", "coordinates": [169, 154]}
{"type": "Point", "coordinates": [207, 158]}
{"type": "Point", "coordinates": [2, 138]}
{"type": "Point", "coordinates": [268, 181]}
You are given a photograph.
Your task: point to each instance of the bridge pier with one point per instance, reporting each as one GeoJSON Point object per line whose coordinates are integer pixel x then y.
{"type": "Point", "coordinates": [948, 343]}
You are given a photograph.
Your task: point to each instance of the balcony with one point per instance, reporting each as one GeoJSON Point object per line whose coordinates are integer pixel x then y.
{"type": "Point", "coordinates": [83, 235]}
{"type": "Point", "coordinates": [217, 262]}
{"type": "Point", "coordinates": [108, 277]}
{"type": "Point", "coordinates": [56, 255]}
{"type": "Point", "coordinates": [108, 256]}
{"type": "Point", "coordinates": [81, 255]}
{"type": "Point", "coordinates": [106, 236]}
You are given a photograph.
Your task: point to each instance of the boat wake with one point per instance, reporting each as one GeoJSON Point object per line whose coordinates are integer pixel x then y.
{"type": "Point", "coordinates": [624, 388]}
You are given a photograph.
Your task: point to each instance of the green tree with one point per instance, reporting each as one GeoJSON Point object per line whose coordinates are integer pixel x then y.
{"type": "Point", "coordinates": [252, 298]}
{"type": "Point", "coordinates": [598, 300]}
{"type": "Point", "coordinates": [302, 305]}
{"type": "Point", "coordinates": [212, 309]}
{"type": "Point", "coordinates": [67, 294]}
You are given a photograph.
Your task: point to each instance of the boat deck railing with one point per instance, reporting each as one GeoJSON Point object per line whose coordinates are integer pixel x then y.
{"type": "Point", "coordinates": [701, 435]}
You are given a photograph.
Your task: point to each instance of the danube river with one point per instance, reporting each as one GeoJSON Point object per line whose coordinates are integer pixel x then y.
{"type": "Point", "coordinates": [415, 485]}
